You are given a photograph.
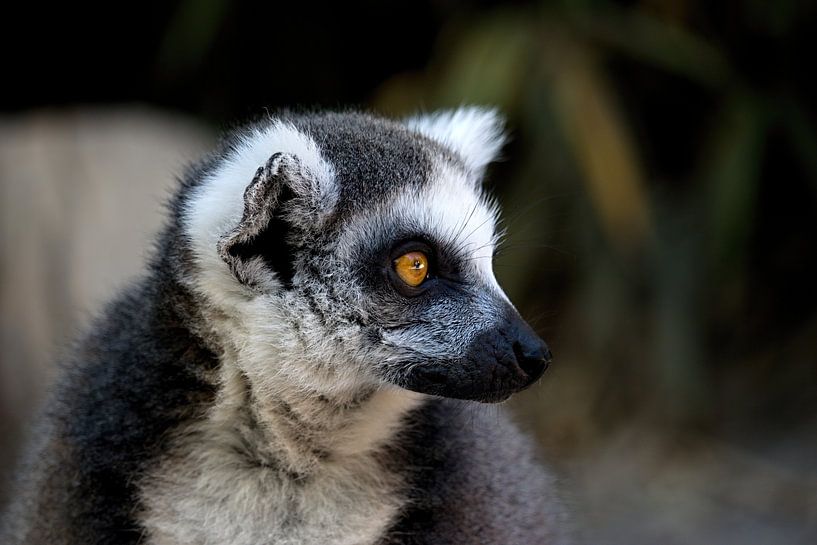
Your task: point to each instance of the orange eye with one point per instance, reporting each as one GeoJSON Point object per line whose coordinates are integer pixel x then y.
{"type": "Point", "coordinates": [412, 268]}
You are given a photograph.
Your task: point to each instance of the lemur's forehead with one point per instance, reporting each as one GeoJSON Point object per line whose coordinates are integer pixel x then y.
{"type": "Point", "coordinates": [374, 159]}
{"type": "Point", "coordinates": [394, 183]}
{"type": "Point", "coordinates": [447, 210]}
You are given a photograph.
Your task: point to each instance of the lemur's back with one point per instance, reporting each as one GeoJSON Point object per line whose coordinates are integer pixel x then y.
{"type": "Point", "coordinates": [127, 385]}
{"type": "Point", "coordinates": [279, 375]}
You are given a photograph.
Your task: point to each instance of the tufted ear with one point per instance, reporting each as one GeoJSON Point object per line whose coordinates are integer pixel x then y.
{"type": "Point", "coordinates": [279, 204]}
{"type": "Point", "coordinates": [475, 133]}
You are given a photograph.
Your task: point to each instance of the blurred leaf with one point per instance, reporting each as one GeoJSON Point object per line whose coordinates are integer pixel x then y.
{"type": "Point", "coordinates": [803, 138]}
{"type": "Point", "coordinates": [603, 148]}
{"type": "Point", "coordinates": [655, 41]}
{"type": "Point", "coordinates": [678, 279]}
{"type": "Point", "coordinates": [733, 174]}
{"type": "Point", "coordinates": [487, 62]}
{"type": "Point", "coordinates": [477, 61]}
{"type": "Point", "coordinates": [774, 18]}
{"type": "Point", "coordinates": [401, 95]}
{"type": "Point", "coordinates": [191, 33]}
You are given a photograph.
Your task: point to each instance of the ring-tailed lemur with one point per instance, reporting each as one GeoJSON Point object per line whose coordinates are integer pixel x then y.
{"type": "Point", "coordinates": [280, 373]}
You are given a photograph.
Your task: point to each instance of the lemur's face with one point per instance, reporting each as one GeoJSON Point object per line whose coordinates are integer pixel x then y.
{"type": "Point", "coordinates": [343, 250]}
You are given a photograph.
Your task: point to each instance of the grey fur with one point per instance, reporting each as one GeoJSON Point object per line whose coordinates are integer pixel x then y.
{"type": "Point", "coordinates": [269, 381]}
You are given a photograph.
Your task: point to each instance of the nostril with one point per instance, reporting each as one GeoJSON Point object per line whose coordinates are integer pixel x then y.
{"type": "Point", "coordinates": [532, 359]}
{"type": "Point", "coordinates": [548, 355]}
{"type": "Point", "coordinates": [533, 352]}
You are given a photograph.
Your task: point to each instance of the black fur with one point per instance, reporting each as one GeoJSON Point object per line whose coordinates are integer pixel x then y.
{"type": "Point", "coordinates": [135, 378]}
{"type": "Point", "coordinates": [461, 493]}
{"type": "Point", "coordinates": [372, 157]}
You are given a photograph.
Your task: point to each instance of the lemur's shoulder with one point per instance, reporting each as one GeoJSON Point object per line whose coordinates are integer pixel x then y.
{"type": "Point", "coordinates": [137, 374]}
{"type": "Point", "coordinates": [482, 482]}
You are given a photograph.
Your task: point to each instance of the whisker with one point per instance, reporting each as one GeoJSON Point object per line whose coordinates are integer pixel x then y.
{"type": "Point", "coordinates": [490, 218]}
{"type": "Point", "coordinates": [453, 239]}
{"type": "Point", "coordinates": [528, 206]}
{"type": "Point", "coordinates": [527, 245]}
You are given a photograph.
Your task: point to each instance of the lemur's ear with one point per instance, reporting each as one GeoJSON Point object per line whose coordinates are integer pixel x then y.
{"type": "Point", "coordinates": [475, 133]}
{"type": "Point", "coordinates": [279, 203]}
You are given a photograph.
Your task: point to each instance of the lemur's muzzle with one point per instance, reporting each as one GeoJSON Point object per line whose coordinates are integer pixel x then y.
{"type": "Point", "coordinates": [508, 359]}
{"type": "Point", "coordinates": [501, 361]}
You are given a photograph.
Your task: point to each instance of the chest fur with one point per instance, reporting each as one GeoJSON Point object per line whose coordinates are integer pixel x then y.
{"type": "Point", "coordinates": [210, 495]}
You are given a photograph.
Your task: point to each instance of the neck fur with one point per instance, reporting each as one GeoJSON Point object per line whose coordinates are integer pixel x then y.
{"type": "Point", "coordinates": [254, 468]}
{"type": "Point", "coordinates": [300, 431]}
{"type": "Point", "coordinates": [292, 415]}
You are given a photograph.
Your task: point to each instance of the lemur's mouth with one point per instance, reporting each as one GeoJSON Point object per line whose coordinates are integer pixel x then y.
{"type": "Point", "coordinates": [488, 373]}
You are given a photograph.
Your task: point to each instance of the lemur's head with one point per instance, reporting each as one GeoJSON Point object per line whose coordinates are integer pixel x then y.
{"type": "Point", "coordinates": [340, 250]}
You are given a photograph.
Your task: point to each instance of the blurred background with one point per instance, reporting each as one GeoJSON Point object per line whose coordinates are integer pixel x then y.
{"type": "Point", "coordinates": [660, 194]}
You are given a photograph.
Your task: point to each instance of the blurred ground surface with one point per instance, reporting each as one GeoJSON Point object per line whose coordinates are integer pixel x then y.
{"type": "Point", "coordinates": [80, 197]}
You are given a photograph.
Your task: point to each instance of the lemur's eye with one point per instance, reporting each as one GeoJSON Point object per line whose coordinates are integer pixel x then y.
{"type": "Point", "coordinates": [412, 268]}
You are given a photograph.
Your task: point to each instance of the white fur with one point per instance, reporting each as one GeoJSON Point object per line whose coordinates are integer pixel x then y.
{"type": "Point", "coordinates": [209, 491]}
{"type": "Point", "coordinates": [257, 326]}
{"type": "Point", "coordinates": [475, 133]}
{"type": "Point", "coordinates": [217, 205]}
{"type": "Point", "coordinates": [447, 209]}
{"type": "Point", "coordinates": [206, 492]}
{"type": "Point", "coordinates": [209, 498]}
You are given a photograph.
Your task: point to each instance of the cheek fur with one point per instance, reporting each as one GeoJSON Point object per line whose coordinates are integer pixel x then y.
{"type": "Point", "coordinates": [442, 330]}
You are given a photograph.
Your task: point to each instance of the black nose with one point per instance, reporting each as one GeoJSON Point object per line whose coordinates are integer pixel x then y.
{"type": "Point", "coordinates": [532, 355]}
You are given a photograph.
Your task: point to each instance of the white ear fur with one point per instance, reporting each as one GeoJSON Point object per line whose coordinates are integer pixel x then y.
{"type": "Point", "coordinates": [475, 133]}
{"type": "Point", "coordinates": [216, 207]}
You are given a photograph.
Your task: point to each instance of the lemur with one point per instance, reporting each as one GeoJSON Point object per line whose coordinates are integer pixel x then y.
{"type": "Point", "coordinates": [299, 362]}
